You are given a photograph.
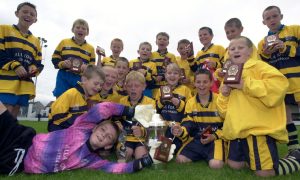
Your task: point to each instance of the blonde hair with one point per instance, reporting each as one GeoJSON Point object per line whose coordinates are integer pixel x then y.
{"type": "Point", "coordinates": [173, 67]}
{"type": "Point", "coordinates": [81, 22]}
{"type": "Point", "coordinates": [135, 75]}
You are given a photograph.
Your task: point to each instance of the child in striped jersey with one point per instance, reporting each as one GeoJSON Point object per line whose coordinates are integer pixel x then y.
{"type": "Point", "coordinates": [284, 55]}
{"type": "Point", "coordinates": [172, 110]}
{"type": "Point", "coordinates": [116, 47]}
{"type": "Point", "coordinates": [20, 59]}
{"type": "Point", "coordinates": [122, 66]}
{"type": "Point", "coordinates": [75, 101]}
{"type": "Point", "coordinates": [135, 85]}
{"type": "Point", "coordinates": [148, 68]}
{"type": "Point", "coordinates": [201, 112]}
{"type": "Point", "coordinates": [72, 52]}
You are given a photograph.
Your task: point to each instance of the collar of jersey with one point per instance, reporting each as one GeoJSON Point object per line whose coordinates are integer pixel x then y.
{"type": "Point", "coordinates": [279, 29]}
{"type": "Point", "coordinates": [209, 100]}
{"type": "Point", "coordinates": [208, 47]}
{"type": "Point", "coordinates": [17, 28]}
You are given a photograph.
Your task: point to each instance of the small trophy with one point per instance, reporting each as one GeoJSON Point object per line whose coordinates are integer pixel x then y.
{"type": "Point", "coordinates": [100, 51]}
{"type": "Point", "coordinates": [226, 66]}
{"type": "Point", "coordinates": [166, 92]}
{"type": "Point", "coordinates": [76, 65]}
{"type": "Point", "coordinates": [137, 65]}
{"type": "Point", "coordinates": [182, 74]}
{"type": "Point", "coordinates": [270, 40]}
{"type": "Point", "coordinates": [206, 131]}
{"type": "Point", "coordinates": [234, 74]}
{"type": "Point", "coordinates": [190, 49]}
{"type": "Point", "coordinates": [121, 151]}
{"type": "Point", "coordinates": [162, 152]}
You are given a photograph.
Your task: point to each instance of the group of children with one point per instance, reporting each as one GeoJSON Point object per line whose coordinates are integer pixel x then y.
{"type": "Point", "coordinates": [247, 119]}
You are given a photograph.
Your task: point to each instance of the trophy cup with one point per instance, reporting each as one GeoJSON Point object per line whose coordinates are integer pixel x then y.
{"type": "Point", "coordinates": [166, 92]}
{"type": "Point", "coordinates": [121, 150]}
{"type": "Point", "coordinates": [206, 131]}
{"type": "Point", "coordinates": [270, 40]}
{"type": "Point", "coordinates": [190, 49]}
{"type": "Point", "coordinates": [234, 74]}
{"type": "Point", "coordinates": [137, 65]}
{"type": "Point", "coordinates": [76, 65]}
{"type": "Point", "coordinates": [156, 134]}
{"type": "Point", "coordinates": [226, 66]}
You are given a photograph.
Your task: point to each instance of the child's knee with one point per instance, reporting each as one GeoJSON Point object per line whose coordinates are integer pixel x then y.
{"type": "Point", "coordinates": [182, 159]}
{"type": "Point", "coordinates": [265, 173]}
{"type": "Point", "coordinates": [216, 164]}
{"type": "Point", "coordinates": [235, 164]}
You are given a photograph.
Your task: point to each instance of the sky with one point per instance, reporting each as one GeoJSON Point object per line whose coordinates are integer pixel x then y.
{"type": "Point", "coordinates": [136, 21]}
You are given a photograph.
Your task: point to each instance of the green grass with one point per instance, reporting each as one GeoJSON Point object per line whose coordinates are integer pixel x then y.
{"type": "Point", "coordinates": [198, 170]}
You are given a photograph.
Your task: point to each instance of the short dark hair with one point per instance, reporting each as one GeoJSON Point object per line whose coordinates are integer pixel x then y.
{"type": "Point", "coordinates": [204, 71]}
{"type": "Point", "coordinates": [233, 22]}
{"type": "Point", "coordinates": [26, 4]}
{"type": "Point", "coordinates": [145, 43]}
{"type": "Point", "coordinates": [163, 34]}
{"type": "Point", "coordinates": [208, 29]}
{"type": "Point", "coordinates": [91, 69]}
{"type": "Point", "coordinates": [271, 7]}
{"type": "Point", "coordinates": [183, 41]}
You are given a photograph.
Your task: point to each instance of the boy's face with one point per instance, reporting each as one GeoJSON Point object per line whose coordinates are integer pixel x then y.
{"type": "Point", "coordinates": [182, 49]}
{"type": "Point", "coordinates": [172, 76]}
{"type": "Point", "coordinates": [103, 136]}
{"type": "Point", "coordinates": [202, 84]}
{"type": "Point", "coordinates": [111, 77]}
{"type": "Point", "coordinates": [145, 52]}
{"type": "Point", "coordinates": [204, 37]}
{"type": "Point", "coordinates": [272, 19]}
{"type": "Point", "coordinates": [122, 68]}
{"type": "Point", "coordinates": [27, 16]}
{"type": "Point", "coordinates": [233, 32]}
{"type": "Point", "coordinates": [93, 85]}
{"type": "Point", "coordinates": [116, 48]}
{"type": "Point", "coordinates": [238, 51]}
{"type": "Point", "coordinates": [80, 31]}
{"type": "Point", "coordinates": [162, 42]}
{"type": "Point", "coordinates": [135, 89]}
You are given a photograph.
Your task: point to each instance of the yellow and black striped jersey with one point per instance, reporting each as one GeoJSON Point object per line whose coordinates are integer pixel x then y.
{"type": "Point", "coordinates": [168, 110]}
{"type": "Point", "coordinates": [151, 71]}
{"type": "Point", "coordinates": [17, 50]}
{"type": "Point", "coordinates": [120, 89]}
{"type": "Point", "coordinates": [184, 64]}
{"type": "Point", "coordinates": [128, 123]}
{"type": "Point", "coordinates": [68, 107]}
{"type": "Point", "coordinates": [112, 96]}
{"type": "Point", "coordinates": [68, 49]}
{"type": "Point", "coordinates": [213, 53]}
{"type": "Point", "coordinates": [108, 61]}
{"type": "Point", "coordinates": [198, 117]}
{"type": "Point", "coordinates": [287, 61]}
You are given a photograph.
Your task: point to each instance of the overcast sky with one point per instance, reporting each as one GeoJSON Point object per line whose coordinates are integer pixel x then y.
{"type": "Point", "coordinates": [135, 21]}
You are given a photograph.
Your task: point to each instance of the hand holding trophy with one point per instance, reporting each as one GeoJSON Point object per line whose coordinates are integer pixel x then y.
{"type": "Point", "coordinates": [100, 51]}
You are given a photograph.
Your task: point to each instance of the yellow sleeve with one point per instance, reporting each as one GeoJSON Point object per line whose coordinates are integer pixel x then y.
{"type": "Point", "coordinates": [270, 89]}
{"type": "Point", "coordinates": [222, 103]}
{"type": "Point", "coordinates": [59, 111]}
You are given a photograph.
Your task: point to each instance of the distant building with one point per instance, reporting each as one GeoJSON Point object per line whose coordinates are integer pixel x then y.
{"type": "Point", "coordinates": [35, 108]}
